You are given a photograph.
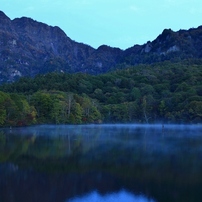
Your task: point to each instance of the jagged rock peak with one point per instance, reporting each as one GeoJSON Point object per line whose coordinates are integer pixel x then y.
{"type": "Point", "coordinates": [33, 26]}
{"type": "Point", "coordinates": [24, 21]}
{"type": "Point", "coordinates": [4, 18]}
{"type": "Point", "coordinates": [107, 48]}
{"type": "Point", "coordinates": [166, 34]}
{"type": "Point", "coordinates": [3, 15]}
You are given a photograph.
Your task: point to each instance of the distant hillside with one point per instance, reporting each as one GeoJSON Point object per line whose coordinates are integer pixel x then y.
{"type": "Point", "coordinates": [28, 48]}
{"type": "Point", "coordinates": [163, 92]}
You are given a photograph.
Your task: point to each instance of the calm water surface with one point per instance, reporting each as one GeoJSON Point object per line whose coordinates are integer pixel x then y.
{"type": "Point", "coordinates": [97, 163]}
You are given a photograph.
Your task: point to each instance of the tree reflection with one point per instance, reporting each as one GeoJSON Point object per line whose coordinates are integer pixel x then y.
{"type": "Point", "coordinates": [166, 167]}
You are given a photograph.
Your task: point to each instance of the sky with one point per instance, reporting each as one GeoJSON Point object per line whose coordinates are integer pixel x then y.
{"type": "Point", "coordinates": [116, 23]}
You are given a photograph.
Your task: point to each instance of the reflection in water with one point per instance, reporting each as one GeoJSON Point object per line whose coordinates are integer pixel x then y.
{"type": "Point", "coordinates": [64, 163]}
{"type": "Point", "coordinates": [121, 196]}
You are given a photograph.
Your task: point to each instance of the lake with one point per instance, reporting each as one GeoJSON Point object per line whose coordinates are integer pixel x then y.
{"type": "Point", "coordinates": [97, 163]}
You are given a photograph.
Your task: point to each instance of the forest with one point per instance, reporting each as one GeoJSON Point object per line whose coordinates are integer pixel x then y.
{"type": "Point", "coordinates": [166, 92]}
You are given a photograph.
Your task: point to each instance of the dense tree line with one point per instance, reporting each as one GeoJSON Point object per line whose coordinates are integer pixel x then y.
{"type": "Point", "coordinates": [47, 107]}
{"type": "Point", "coordinates": [15, 110]}
{"type": "Point", "coordinates": [163, 92]}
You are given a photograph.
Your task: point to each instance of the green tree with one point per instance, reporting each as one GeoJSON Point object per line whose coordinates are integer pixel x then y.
{"type": "Point", "coordinates": [43, 104]}
{"type": "Point", "coordinates": [162, 108]}
{"type": "Point", "coordinates": [195, 110]}
{"type": "Point", "coordinates": [77, 113]}
{"type": "Point", "coordinates": [135, 94]}
{"type": "Point", "coordinates": [145, 109]}
{"type": "Point", "coordinates": [3, 98]}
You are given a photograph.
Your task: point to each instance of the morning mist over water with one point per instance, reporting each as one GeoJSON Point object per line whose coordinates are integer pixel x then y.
{"type": "Point", "coordinates": [112, 162]}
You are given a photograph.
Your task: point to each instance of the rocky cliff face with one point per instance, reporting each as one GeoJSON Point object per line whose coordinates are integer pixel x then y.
{"type": "Point", "coordinates": [28, 47]}
{"type": "Point", "coordinates": [169, 45]}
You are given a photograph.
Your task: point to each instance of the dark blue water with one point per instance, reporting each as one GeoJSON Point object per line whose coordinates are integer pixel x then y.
{"type": "Point", "coordinates": [141, 163]}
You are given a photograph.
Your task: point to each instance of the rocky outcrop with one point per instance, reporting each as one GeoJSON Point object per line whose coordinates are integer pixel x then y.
{"type": "Point", "coordinates": [28, 48]}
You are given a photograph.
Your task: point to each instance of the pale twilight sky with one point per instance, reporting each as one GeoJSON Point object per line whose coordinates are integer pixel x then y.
{"type": "Point", "coordinates": [117, 23]}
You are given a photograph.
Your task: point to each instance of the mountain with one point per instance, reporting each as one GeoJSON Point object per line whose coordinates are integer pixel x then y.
{"type": "Point", "coordinates": [170, 45]}
{"type": "Point", "coordinates": [28, 48]}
